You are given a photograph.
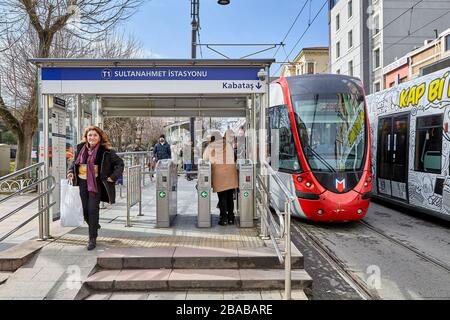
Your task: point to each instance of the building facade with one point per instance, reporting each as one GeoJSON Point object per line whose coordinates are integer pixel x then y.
{"type": "Point", "coordinates": [384, 30]}
{"type": "Point", "coordinates": [308, 61]}
{"type": "Point", "coordinates": [349, 39]}
{"type": "Point", "coordinates": [432, 56]}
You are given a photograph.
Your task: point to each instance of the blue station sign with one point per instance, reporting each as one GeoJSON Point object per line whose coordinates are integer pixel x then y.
{"type": "Point", "coordinates": [151, 80]}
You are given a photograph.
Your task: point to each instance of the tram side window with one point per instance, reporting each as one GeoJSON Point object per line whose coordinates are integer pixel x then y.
{"type": "Point", "coordinates": [282, 145]}
{"type": "Point", "coordinates": [428, 153]}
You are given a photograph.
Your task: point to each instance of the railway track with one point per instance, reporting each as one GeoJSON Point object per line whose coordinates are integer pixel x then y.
{"type": "Point", "coordinates": [352, 279]}
{"type": "Point", "coordinates": [419, 253]}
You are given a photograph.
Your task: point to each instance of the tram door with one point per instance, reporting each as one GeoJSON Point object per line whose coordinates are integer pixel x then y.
{"type": "Point", "coordinates": [392, 156]}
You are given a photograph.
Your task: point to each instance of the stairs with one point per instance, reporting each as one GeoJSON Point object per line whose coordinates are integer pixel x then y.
{"type": "Point", "coordinates": [186, 268]}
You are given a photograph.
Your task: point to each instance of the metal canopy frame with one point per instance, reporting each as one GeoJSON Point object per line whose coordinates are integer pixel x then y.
{"type": "Point", "coordinates": [251, 106]}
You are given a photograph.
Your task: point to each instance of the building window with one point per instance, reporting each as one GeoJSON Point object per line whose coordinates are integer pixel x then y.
{"type": "Point", "coordinates": [350, 8]}
{"type": "Point", "coordinates": [350, 68]}
{"type": "Point", "coordinates": [337, 22]}
{"type": "Point", "coordinates": [428, 144]}
{"type": "Point", "coordinates": [338, 49]}
{"type": "Point", "coordinates": [310, 67]}
{"type": "Point", "coordinates": [376, 24]}
{"type": "Point", "coordinates": [376, 87]}
{"type": "Point", "coordinates": [350, 39]}
{"type": "Point", "coordinates": [376, 58]}
{"type": "Point", "coordinates": [447, 43]}
{"type": "Point", "coordinates": [338, 71]}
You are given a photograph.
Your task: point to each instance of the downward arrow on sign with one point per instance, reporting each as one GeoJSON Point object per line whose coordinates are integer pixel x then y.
{"type": "Point", "coordinates": [258, 86]}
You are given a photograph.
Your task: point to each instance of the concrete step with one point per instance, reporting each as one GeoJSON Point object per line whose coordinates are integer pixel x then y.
{"type": "Point", "coordinates": [296, 294]}
{"type": "Point", "coordinates": [184, 279]}
{"type": "Point", "coordinates": [195, 258]}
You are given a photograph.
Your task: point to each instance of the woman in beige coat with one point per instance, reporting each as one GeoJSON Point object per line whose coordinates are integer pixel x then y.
{"type": "Point", "coordinates": [224, 175]}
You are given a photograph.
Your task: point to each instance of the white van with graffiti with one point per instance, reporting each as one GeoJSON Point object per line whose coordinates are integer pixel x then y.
{"type": "Point", "coordinates": [411, 143]}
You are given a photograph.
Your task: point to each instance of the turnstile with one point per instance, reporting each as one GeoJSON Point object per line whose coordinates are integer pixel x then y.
{"type": "Point", "coordinates": [246, 194]}
{"type": "Point", "coordinates": [166, 192]}
{"type": "Point", "coordinates": [204, 194]}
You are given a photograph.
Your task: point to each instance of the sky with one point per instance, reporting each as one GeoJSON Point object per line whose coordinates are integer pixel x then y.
{"type": "Point", "coordinates": [163, 27]}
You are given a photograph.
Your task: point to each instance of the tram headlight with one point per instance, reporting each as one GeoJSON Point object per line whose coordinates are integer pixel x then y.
{"type": "Point", "coordinates": [320, 212]}
{"type": "Point", "coordinates": [359, 211]}
{"type": "Point", "coordinates": [308, 184]}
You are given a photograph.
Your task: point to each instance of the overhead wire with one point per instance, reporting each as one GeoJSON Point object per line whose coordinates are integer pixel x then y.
{"type": "Point", "coordinates": [292, 25]}
{"type": "Point", "coordinates": [303, 34]}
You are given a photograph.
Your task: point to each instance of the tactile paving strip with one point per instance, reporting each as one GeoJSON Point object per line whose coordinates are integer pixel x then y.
{"type": "Point", "coordinates": [246, 239]}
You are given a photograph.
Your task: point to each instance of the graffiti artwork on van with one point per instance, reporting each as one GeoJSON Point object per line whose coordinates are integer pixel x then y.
{"type": "Point", "coordinates": [421, 191]}
{"type": "Point", "coordinates": [436, 95]}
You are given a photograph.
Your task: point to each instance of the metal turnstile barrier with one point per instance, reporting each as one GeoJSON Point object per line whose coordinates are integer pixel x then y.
{"type": "Point", "coordinates": [246, 194]}
{"type": "Point", "coordinates": [204, 194]}
{"type": "Point", "coordinates": [166, 192]}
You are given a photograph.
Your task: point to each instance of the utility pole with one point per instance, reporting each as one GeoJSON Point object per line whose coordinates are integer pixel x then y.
{"type": "Point", "coordinates": [195, 7]}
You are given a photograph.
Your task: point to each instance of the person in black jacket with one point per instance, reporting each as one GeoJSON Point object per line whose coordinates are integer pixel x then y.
{"type": "Point", "coordinates": [161, 150]}
{"type": "Point", "coordinates": [95, 170]}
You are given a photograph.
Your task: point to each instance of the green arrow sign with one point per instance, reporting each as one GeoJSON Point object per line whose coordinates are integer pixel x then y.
{"type": "Point", "coordinates": [204, 194]}
{"type": "Point", "coordinates": [245, 194]}
{"type": "Point", "coordinates": [162, 194]}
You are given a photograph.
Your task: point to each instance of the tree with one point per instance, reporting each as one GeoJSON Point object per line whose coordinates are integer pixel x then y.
{"type": "Point", "coordinates": [43, 29]}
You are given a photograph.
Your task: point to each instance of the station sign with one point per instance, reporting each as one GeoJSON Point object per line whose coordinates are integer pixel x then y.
{"type": "Point", "coordinates": [151, 80]}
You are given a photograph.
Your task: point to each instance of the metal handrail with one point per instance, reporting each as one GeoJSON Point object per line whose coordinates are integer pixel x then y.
{"type": "Point", "coordinates": [269, 222]}
{"type": "Point", "coordinates": [134, 190]}
{"type": "Point", "coordinates": [44, 191]}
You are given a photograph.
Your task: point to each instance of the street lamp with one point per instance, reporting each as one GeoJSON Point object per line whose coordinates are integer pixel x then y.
{"type": "Point", "coordinates": [195, 7]}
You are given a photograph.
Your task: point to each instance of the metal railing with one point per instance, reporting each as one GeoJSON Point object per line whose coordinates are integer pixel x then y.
{"type": "Point", "coordinates": [269, 227]}
{"type": "Point", "coordinates": [134, 190]}
{"type": "Point", "coordinates": [43, 198]}
{"type": "Point", "coordinates": [133, 158]}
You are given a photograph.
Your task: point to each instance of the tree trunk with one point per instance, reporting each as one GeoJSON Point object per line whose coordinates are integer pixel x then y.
{"type": "Point", "coordinates": [24, 147]}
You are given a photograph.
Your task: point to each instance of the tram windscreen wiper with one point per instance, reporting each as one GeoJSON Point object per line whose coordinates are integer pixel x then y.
{"type": "Point", "coordinates": [318, 156]}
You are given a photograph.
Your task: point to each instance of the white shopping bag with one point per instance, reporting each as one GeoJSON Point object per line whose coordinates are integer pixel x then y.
{"type": "Point", "coordinates": [71, 207]}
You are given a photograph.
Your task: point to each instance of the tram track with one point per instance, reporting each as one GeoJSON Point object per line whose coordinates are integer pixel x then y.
{"type": "Point", "coordinates": [405, 246]}
{"type": "Point", "coordinates": [355, 281]}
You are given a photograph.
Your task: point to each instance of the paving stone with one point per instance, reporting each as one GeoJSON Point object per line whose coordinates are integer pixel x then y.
{"type": "Point", "coordinates": [24, 289]}
{"type": "Point", "coordinates": [242, 295]}
{"type": "Point", "coordinates": [167, 295]}
{"type": "Point", "coordinates": [295, 295]}
{"type": "Point", "coordinates": [205, 257]}
{"type": "Point", "coordinates": [99, 296]}
{"type": "Point", "coordinates": [211, 295]}
{"type": "Point", "coordinates": [25, 274]}
{"type": "Point", "coordinates": [141, 279]}
{"type": "Point", "coordinates": [64, 290]}
{"type": "Point", "coordinates": [103, 280]}
{"type": "Point", "coordinates": [204, 278]}
{"type": "Point", "coordinates": [129, 296]}
{"type": "Point", "coordinates": [271, 295]}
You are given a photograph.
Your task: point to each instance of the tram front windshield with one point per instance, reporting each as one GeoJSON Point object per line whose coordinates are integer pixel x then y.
{"type": "Point", "coordinates": [332, 130]}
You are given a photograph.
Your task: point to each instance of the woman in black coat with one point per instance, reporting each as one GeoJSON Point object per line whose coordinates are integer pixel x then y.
{"type": "Point", "coordinates": [95, 170]}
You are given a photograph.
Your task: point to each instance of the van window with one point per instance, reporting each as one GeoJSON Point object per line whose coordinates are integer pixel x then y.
{"type": "Point", "coordinates": [428, 153]}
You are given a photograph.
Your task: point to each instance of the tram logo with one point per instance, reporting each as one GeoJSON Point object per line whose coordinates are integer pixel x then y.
{"type": "Point", "coordinates": [340, 185]}
{"type": "Point", "coordinates": [106, 74]}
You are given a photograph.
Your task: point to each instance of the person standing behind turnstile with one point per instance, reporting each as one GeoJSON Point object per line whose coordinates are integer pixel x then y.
{"type": "Point", "coordinates": [187, 158]}
{"type": "Point", "coordinates": [161, 150]}
{"type": "Point", "coordinates": [224, 176]}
